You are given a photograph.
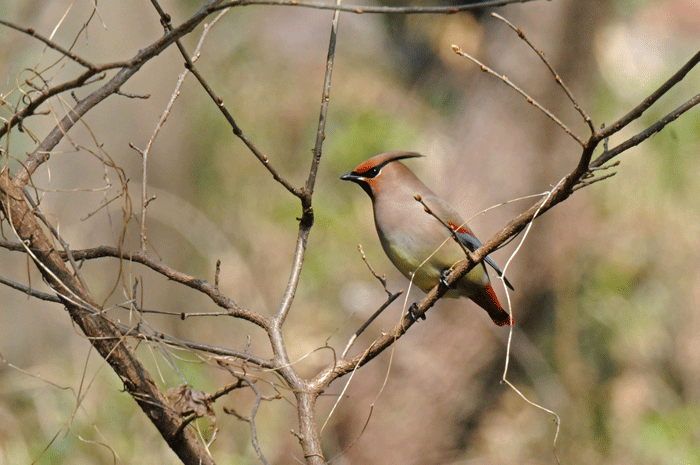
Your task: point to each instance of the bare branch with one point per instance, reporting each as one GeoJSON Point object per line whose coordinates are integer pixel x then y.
{"type": "Point", "coordinates": [182, 278]}
{"type": "Point", "coordinates": [158, 336]}
{"type": "Point", "coordinates": [104, 335]}
{"type": "Point", "coordinates": [557, 78]}
{"type": "Point", "coordinates": [637, 111]}
{"type": "Point", "coordinates": [529, 99]}
{"type": "Point", "coordinates": [30, 31]}
{"type": "Point", "coordinates": [647, 133]}
{"type": "Point", "coordinates": [189, 65]}
{"type": "Point", "coordinates": [138, 257]}
{"type": "Point", "coordinates": [583, 184]}
{"type": "Point", "coordinates": [30, 292]}
{"type": "Point", "coordinates": [250, 419]}
{"type": "Point", "coordinates": [128, 69]}
{"type": "Point", "coordinates": [381, 279]}
{"type": "Point", "coordinates": [135, 96]}
{"type": "Point", "coordinates": [307, 217]}
{"type": "Point", "coordinates": [389, 301]}
{"type": "Point", "coordinates": [377, 9]}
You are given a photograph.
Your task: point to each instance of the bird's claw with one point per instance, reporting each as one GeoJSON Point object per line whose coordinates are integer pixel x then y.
{"type": "Point", "coordinates": [412, 311]}
{"type": "Point", "coordinates": [443, 279]}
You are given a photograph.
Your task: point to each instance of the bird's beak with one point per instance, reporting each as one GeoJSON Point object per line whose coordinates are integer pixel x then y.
{"type": "Point", "coordinates": [352, 177]}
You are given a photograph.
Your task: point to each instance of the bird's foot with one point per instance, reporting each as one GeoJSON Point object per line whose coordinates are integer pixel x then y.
{"type": "Point", "coordinates": [412, 311]}
{"type": "Point", "coordinates": [443, 279]}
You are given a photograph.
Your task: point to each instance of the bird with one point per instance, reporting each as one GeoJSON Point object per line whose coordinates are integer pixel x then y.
{"type": "Point", "coordinates": [406, 216]}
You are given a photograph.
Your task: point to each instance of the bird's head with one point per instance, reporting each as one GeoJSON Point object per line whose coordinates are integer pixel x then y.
{"type": "Point", "coordinates": [381, 172]}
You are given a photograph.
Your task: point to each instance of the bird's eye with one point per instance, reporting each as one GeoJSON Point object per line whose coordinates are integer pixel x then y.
{"type": "Point", "coordinates": [371, 173]}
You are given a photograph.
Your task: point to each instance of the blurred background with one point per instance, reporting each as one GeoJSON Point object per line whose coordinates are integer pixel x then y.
{"type": "Point", "coordinates": [607, 288]}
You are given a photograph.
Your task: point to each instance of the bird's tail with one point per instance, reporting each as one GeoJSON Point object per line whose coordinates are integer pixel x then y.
{"type": "Point", "coordinates": [486, 298]}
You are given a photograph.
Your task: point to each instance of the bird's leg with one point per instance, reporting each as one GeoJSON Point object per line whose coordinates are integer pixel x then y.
{"type": "Point", "coordinates": [412, 311]}
{"type": "Point", "coordinates": [443, 278]}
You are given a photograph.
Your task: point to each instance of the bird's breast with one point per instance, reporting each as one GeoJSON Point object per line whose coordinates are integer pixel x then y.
{"type": "Point", "coordinates": [416, 243]}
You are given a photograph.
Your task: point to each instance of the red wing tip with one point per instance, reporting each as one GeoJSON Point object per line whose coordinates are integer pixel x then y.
{"type": "Point", "coordinates": [460, 229]}
{"type": "Point", "coordinates": [507, 322]}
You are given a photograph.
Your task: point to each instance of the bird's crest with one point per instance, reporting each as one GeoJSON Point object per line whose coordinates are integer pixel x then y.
{"type": "Point", "coordinates": [377, 162]}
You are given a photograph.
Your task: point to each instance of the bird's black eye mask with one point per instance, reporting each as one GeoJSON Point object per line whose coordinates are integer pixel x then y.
{"type": "Point", "coordinates": [372, 172]}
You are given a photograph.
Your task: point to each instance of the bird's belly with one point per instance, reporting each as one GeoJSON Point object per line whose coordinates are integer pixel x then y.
{"type": "Point", "coordinates": [425, 261]}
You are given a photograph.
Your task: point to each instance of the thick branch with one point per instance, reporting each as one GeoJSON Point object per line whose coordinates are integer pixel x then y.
{"type": "Point", "coordinates": [103, 334]}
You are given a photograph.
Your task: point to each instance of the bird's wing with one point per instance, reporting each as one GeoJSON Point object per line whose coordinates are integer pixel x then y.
{"type": "Point", "coordinates": [451, 218]}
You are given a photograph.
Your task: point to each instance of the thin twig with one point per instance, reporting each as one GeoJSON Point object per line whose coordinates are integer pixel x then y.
{"type": "Point", "coordinates": [637, 111]}
{"type": "Point", "coordinates": [453, 233]}
{"type": "Point", "coordinates": [382, 278]}
{"type": "Point", "coordinates": [307, 218]}
{"type": "Point", "coordinates": [360, 9]}
{"type": "Point", "coordinates": [172, 341]}
{"type": "Point", "coordinates": [64, 244]}
{"type": "Point", "coordinates": [31, 292]}
{"type": "Point", "coordinates": [164, 116]}
{"type": "Point", "coordinates": [529, 99]}
{"type": "Point", "coordinates": [30, 31]}
{"type": "Point", "coordinates": [593, 181]}
{"type": "Point", "coordinates": [647, 133]}
{"type": "Point", "coordinates": [237, 131]}
{"type": "Point", "coordinates": [389, 301]}
{"type": "Point", "coordinates": [557, 78]}
{"type": "Point", "coordinates": [250, 419]}
{"type": "Point", "coordinates": [135, 96]}
{"type": "Point", "coordinates": [104, 204]}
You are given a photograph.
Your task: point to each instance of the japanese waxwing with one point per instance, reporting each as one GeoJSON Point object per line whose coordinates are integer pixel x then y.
{"type": "Point", "coordinates": [409, 234]}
